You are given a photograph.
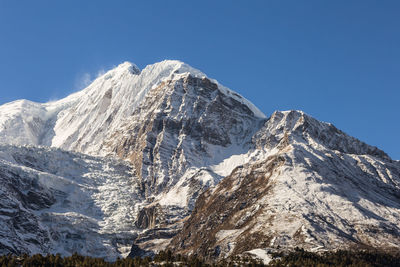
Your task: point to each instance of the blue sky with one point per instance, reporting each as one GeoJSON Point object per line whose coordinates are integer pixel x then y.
{"type": "Point", "coordinates": [339, 61]}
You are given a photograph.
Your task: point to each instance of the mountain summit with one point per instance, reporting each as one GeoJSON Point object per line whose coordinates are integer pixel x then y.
{"type": "Point", "coordinates": [166, 157]}
{"type": "Point", "coordinates": [82, 121]}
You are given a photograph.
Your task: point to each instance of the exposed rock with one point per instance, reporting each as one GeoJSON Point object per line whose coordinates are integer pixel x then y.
{"type": "Point", "coordinates": [319, 189]}
{"type": "Point", "coordinates": [148, 217]}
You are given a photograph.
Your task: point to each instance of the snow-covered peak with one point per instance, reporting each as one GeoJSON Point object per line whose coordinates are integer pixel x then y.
{"type": "Point", "coordinates": [296, 126]}
{"type": "Point", "coordinates": [180, 69]}
{"type": "Point", "coordinates": [81, 121]}
{"type": "Point", "coordinates": [123, 68]}
{"type": "Point", "coordinates": [130, 67]}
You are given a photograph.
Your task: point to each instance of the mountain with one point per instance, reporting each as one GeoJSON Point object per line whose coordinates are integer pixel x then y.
{"type": "Point", "coordinates": [147, 156]}
{"type": "Point", "coordinates": [180, 131]}
{"type": "Point", "coordinates": [315, 188]}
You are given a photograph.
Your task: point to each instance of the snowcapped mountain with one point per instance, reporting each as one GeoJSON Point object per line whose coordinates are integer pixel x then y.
{"type": "Point", "coordinates": [82, 121]}
{"type": "Point", "coordinates": [312, 186]}
{"type": "Point", "coordinates": [123, 162]}
{"type": "Point", "coordinates": [180, 131]}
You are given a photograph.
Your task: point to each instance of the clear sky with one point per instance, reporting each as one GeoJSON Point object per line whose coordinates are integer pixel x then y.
{"type": "Point", "coordinates": [339, 61]}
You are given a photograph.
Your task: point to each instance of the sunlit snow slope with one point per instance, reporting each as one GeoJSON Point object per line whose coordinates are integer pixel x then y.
{"type": "Point", "coordinates": [53, 201]}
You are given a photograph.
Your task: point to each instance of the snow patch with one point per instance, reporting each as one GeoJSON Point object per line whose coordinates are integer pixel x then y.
{"type": "Point", "coordinates": [261, 254]}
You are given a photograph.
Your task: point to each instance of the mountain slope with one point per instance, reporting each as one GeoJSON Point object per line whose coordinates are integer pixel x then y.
{"type": "Point", "coordinates": [320, 189]}
{"type": "Point", "coordinates": [53, 201]}
{"type": "Point", "coordinates": [131, 154]}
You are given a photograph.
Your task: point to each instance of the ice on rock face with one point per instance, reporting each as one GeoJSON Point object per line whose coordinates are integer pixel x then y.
{"type": "Point", "coordinates": [54, 201]}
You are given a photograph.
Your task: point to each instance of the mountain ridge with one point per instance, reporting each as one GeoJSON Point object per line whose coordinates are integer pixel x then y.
{"type": "Point", "coordinates": [301, 194]}
{"type": "Point", "coordinates": [188, 144]}
{"type": "Point", "coordinates": [56, 114]}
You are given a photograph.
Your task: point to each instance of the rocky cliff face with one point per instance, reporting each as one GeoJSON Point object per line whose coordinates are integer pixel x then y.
{"type": "Point", "coordinates": [184, 126]}
{"type": "Point", "coordinates": [133, 152]}
{"type": "Point", "coordinates": [175, 127]}
{"type": "Point", "coordinates": [317, 188]}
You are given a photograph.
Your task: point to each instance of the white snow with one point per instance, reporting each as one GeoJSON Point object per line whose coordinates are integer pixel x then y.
{"type": "Point", "coordinates": [261, 254]}
{"type": "Point", "coordinates": [177, 196]}
{"type": "Point", "coordinates": [84, 119]}
{"type": "Point", "coordinates": [96, 199]}
{"type": "Point", "coordinates": [228, 234]}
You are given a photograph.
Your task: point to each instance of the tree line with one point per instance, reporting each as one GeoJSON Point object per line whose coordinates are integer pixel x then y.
{"type": "Point", "coordinates": [299, 257]}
